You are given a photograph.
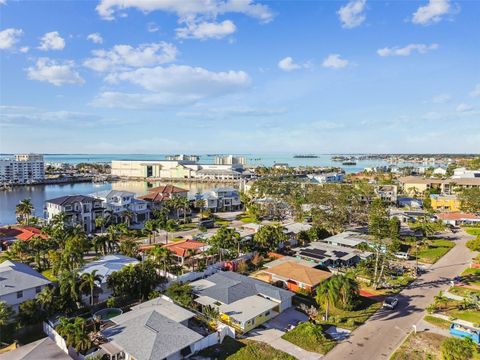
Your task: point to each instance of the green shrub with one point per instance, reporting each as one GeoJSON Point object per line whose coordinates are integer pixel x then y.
{"type": "Point", "coordinates": [457, 349]}
{"type": "Point", "coordinates": [474, 244]}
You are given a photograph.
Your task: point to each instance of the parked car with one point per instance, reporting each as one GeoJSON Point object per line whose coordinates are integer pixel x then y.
{"type": "Point", "coordinates": [401, 255]}
{"type": "Point", "coordinates": [390, 302]}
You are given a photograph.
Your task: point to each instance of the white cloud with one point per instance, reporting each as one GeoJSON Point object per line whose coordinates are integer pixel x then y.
{"type": "Point", "coordinates": [187, 8]}
{"type": "Point", "coordinates": [234, 111]}
{"type": "Point", "coordinates": [476, 91]}
{"type": "Point", "coordinates": [51, 41]}
{"type": "Point", "coordinates": [206, 30]}
{"type": "Point", "coordinates": [24, 49]}
{"type": "Point", "coordinates": [9, 37]}
{"type": "Point", "coordinates": [334, 61]}
{"type": "Point", "coordinates": [406, 50]}
{"type": "Point", "coordinates": [54, 72]}
{"type": "Point", "coordinates": [96, 38]}
{"type": "Point", "coordinates": [464, 107]}
{"type": "Point", "coordinates": [441, 98]}
{"type": "Point", "coordinates": [124, 56]}
{"type": "Point", "coordinates": [432, 12]}
{"type": "Point", "coordinates": [287, 64]}
{"type": "Point", "coordinates": [174, 85]}
{"type": "Point", "coordinates": [352, 14]}
{"type": "Point", "coordinates": [3, 2]}
{"type": "Point", "coordinates": [152, 27]}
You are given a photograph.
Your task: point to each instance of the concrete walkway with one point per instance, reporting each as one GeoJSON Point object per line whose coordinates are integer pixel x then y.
{"type": "Point", "coordinates": [386, 329]}
{"type": "Point", "coordinates": [273, 337]}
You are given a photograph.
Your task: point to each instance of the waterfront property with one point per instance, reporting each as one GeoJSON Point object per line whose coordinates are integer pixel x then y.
{"type": "Point", "coordinates": [158, 195]}
{"type": "Point", "coordinates": [19, 283]}
{"type": "Point", "coordinates": [295, 276]}
{"type": "Point", "coordinates": [117, 202]}
{"type": "Point", "coordinates": [78, 209]}
{"type": "Point", "coordinates": [242, 302]}
{"type": "Point", "coordinates": [104, 267]}
{"type": "Point", "coordinates": [23, 169]}
{"type": "Point", "coordinates": [157, 329]}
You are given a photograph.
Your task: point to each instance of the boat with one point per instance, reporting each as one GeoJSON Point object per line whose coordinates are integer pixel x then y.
{"type": "Point", "coordinates": [349, 163]}
{"type": "Point", "coordinates": [305, 156]}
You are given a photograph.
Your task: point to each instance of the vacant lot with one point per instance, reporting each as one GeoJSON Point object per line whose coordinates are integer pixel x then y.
{"type": "Point", "coordinates": [434, 251]}
{"type": "Point", "coordinates": [310, 337]}
{"type": "Point", "coordinates": [420, 346]}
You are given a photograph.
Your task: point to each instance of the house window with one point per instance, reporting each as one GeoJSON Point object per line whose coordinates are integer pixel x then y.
{"type": "Point", "coordinates": [38, 289]}
{"type": "Point", "coordinates": [19, 294]}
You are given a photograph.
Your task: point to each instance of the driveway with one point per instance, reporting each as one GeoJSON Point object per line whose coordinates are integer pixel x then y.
{"type": "Point", "coordinates": [379, 337]}
{"type": "Point", "coordinates": [272, 331]}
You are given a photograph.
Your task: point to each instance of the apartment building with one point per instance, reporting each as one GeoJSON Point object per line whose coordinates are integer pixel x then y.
{"type": "Point", "coordinates": [230, 160]}
{"type": "Point", "coordinates": [79, 210]}
{"type": "Point", "coordinates": [23, 169]}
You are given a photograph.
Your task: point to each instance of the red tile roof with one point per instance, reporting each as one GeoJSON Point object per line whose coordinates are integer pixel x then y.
{"type": "Point", "coordinates": [181, 247]}
{"type": "Point", "coordinates": [161, 193]}
{"type": "Point", "coordinates": [458, 216]}
{"type": "Point", "coordinates": [28, 232]}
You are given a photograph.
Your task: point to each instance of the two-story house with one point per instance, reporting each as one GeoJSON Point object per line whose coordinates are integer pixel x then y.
{"type": "Point", "coordinates": [79, 210]}
{"type": "Point", "coordinates": [117, 202]}
{"type": "Point", "coordinates": [220, 199]}
{"type": "Point", "coordinates": [19, 283]}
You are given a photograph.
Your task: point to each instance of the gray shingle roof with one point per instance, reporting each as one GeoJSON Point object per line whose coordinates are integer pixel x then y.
{"type": "Point", "coordinates": [70, 199]}
{"type": "Point", "coordinates": [230, 287]}
{"type": "Point", "coordinates": [151, 335]}
{"type": "Point", "coordinates": [15, 276]}
{"type": "Point", "coordinates": [41, 349]}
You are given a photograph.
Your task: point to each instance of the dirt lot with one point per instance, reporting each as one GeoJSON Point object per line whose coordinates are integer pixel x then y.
{"type": "Point", "coordinates": [422, 346]}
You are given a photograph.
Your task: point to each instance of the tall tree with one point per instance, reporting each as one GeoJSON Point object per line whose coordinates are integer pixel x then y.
{"type": "Point", "coordinates": [379, 229]}
{"type": "Point", "coordinates": [88, 283]}
{"type": "Point", "coordinates": [269, 237]}
{"type": "Point", "coordinates": [327, 294]}
{"type": "Point", "coordinates": [470, 200]}
{"type": "Point", "coordinates": [24, 210]}
{"type": "Point", "coordinates": [6, 313]}
{"type": "Point", "coordinates": [129, 248]}
{"type": "Point", "coordinates": [162, 257]}
{"type": "Point", "coordinates": [225, 241]}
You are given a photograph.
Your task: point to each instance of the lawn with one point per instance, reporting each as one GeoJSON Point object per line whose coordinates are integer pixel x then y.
{"type": "Point", "coordinates": [467, 315]}
{"type": "Point", "coordinates": [310, 337]}
{"type": "Point", "coordinates": [352, 319]}
{"type": "Point", "coordinates": [435, 250]}
{"type": "Point", "coordinates": [231, 349]}
{"type": "Point", "coordinates": [475, 231]}
{"type": "Point", "coordinates": [246, 218]}
{"type": "Point", "coordinates": [471, 276]}
{"type": "Point", "coordinates": [420, 346]}
{"type": "Point", "coordinates": [49, 275]}
{"type": "Point", "coordinates": [188, 226]}
{"type": "Point", "coordinates": [461, 291]}
{"type": "Point", "coordinates": [440, 323]}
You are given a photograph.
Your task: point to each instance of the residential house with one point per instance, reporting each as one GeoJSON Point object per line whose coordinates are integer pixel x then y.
{"type": "Point", "coordinates": [415, 185]}
{"type": "Point", "coordinates": [296, 277]}
{"type": "Point", "coordinates": [19, 283]}
{"type": "Point", "coordinates": [220, 199]}
{"type": "Point", "coordinates": [79, 210]}
{"type": "Point", "coordinates": [156, 329]}
{"type": "Point", "coordinates": [439, 171]}
{"type": "Point", "coordinates": [182, 250]}
{"type": "Point", "coordinates": [158, 195]}
{"type": "Point", "coordinates": [293, 229]}
{"type": "Point", "coordinates": [104, 267]}
{"type": "Point", "coordinates": [326, 178]}
{"type": "Point", "coordinates": [444, 202]}
{"type": "Point", "coordinates": [409, 202]}
{"type": "Point", "coordinates": [387, 193]}
{"type": "Point", "coordinates": [243, 302]}
{"type": "Point", "coordinates": [117, 202]}
{"type": "Point", "coordinates": [42, 349]}
{"type": "Point", "coordinates": [458, 218]}
{"type": "Point", "coordinates": [330, 255]}
{"type": "Point", "coordinates": [347, 238]}
{"type": "Point", "coordinates": [463, 173]}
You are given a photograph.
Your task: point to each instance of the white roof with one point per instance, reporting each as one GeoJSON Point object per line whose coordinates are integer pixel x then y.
{"type": "Point", "coordinates": [296, 227]}
{"type": "Point", "coordinates": [347, 238]}
{"type": "Point", "coordinates": [248, 307]}
{"type": "Point", "coordinates": [107, 265]}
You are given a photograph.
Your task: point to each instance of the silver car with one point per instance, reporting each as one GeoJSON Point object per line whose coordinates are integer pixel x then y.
{"type": "Point", "coordinates": [390, 302]}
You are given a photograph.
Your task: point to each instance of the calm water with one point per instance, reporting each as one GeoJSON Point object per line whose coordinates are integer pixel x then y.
{"type": "Point", "coordinates": [39, 193]}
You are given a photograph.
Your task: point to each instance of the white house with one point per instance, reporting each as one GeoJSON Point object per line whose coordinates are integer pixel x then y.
{"type": "Point", "coordinates": [79, 210]}
{"type": "Point", "coordinates": [325, 178]}
{"type": "Point", "coordinates": [19, 283]}
{"type": "Point", "coordinates": [462, 173]}
{"type": "Point", "coordinates": [440, 171]}
{"type": "Point", "coordinates": [119, 201]}
{"type": "Point", "coordinates": [221, 199]}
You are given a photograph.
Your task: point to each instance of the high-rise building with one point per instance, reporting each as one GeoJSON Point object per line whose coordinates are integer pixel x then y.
{"type": "Point", "coordinates": [23, 169]}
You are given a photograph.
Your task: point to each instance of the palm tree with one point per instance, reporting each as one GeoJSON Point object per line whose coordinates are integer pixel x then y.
{"type": "Point", "coordinates": [150, 226]}
{"type": "Point", "coordinates": [162, 257]}
{"type": "Point", "coordinates": [87, 282]}
{"type": "Point", "coordinates": [46, 300]}
{"type": "Point", "coordinates": [185, 206]}
{"type": "Point", "coordinates": [327, 294]}
{"type": "Point", "coordinates": [100, 223]}
{"type": "Point", "coordinates": [69, 286]}
{"type": "Point", "coordinates": [129, 248]}
{"type": "Point", "coordinates": [100, 242]}
{"type": "Point", "coordinates": [112, 234]}
{"type": "Point", "coordinates": [24, 210]}
{"type": "Point", "coordinates": [128, 216]}
{"type": "Point", "coordinates": [75, 332]}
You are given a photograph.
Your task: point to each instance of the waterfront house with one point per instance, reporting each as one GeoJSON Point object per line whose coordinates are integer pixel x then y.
{"type": "Point", "coordinates": [79, 209]}
{"type": "Point", "coordinates": [117, 202]}
{"type": "Point", "coordinates": [295, 276]}
{"type": "Point", "coordinates": [243, 303]}
{"type": "Point", "coordinates": [19, 283]}
{"type": "Point", "coordinates": [104, 267]}
{"type": "Point", "coordinates": [158, 195]}
{"type": "Point", "coordinates": [157, 329]}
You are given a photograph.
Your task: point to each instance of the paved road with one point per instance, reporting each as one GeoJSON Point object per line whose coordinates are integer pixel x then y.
{"type": "Point", "coordinates": [385, 330]}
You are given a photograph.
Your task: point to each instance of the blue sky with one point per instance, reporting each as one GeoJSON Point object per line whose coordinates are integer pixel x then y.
{"type": "Point", "coordinates": [130, 76]}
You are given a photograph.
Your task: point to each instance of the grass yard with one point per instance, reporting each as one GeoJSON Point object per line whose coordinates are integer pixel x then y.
{"type": "Point", "coordinates": [471, 276]}
{"type": "Point", "coordinates": [440, 323]}
{"type": "Point", "coordinates": [232, 349]}
{"type": "Point", "coordinates": [435, 250]}
{"type": "Point", "coordinates": [188, 226]}
{"type": "Point", "coordinates": [310, 337]}
{"type": "Point", "coordinates": [420, 346]}
{"type": "Point", "coordinates": [475, 231]}
{"type": "Point", "coordinates": [461, 291]}
{"type": "Point", "coordinates": [246, 218]}
{"type": "Point", "coordinates": [467, 315]}
{"type": "Point", "coordinates": [49, 275]}
{"type": "Point", "coordinates": [352, 319]}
